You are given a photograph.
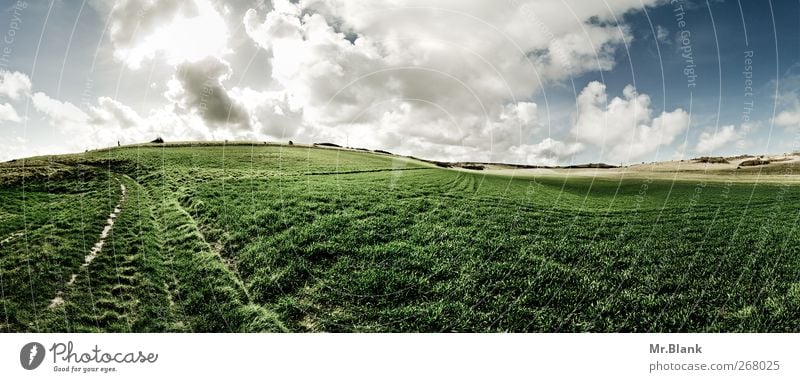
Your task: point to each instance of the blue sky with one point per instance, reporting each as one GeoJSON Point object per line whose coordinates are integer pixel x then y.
{"type": "Point", "coordinates": [546, 82]}
{"type": "Point", "coordinates": [721, 95]}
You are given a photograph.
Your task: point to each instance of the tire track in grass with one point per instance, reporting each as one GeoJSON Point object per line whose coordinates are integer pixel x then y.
{"type": "Point", "coordinates": [142, 274]}
{"type": "Point", "coordinates": [134, 293]}
{"type": "Point", "coordinates": [58, 300]}
{"type": "Point", "coordinates": [132, 277]}
{"type": "Point", "coordinates": [11, 237]}
{"type": "Point", "coordinates": [212, 297]}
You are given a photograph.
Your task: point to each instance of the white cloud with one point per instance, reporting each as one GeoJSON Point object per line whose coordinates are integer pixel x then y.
{"type": "Point", "coordinates": [108, 115]}
{"type": "Point", "coordinates": [316, 65]}
{"type": "Point", "coordinates": [175, 29]}
{"type": "Point", "coordinates": [788, 118]}
{"type": "Point", "coordinates": [8, 114]}
{"type": "Point", "coordinates": [59, 113]}
{"type": "Point", "coordinates": [174, 126]}
{"type": "Point", "coordinates": [662, 35]}
{"type": "Point", "coordinates": [548, 152]}
{"type": "Point", "coordinates": [712, 140]}
{"type": "Point", "coordinates": [14, 84]}
{"type": "Point", "coordinates": [14, 147]}
{"type": "Point", "coordinates": [101, 125]}
{"type": "Point", "coordinates": [515, 124]}
{"type": "Point", "coordinates": [109, 121]}
{"type": "Point", "coordinates": [269, 112]}
{"type": "Point", "coordinates": [114, 113]}
{"type": "Point", "coordinates": [452, 81]}
{"type": "Point", "coordinates": [624, 127]}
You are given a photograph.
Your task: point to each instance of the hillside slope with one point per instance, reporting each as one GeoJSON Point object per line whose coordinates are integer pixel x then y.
{"type": "Point", "coordinates": [243, 238]}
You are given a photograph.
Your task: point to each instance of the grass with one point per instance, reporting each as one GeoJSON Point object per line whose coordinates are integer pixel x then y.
{"type": "Point", "coordinates": [245, 238]}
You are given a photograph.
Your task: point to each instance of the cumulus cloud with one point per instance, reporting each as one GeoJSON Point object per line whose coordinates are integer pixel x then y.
{"type": "Point", "coordinates": [352, 39]}
{"type": "Point", "coordinates": [8, 114]}
{"type": "Point", "coordinates": [14, 85]}
{"type": "Point", "coordinates": [108, 121]}
{"type": "Point", "coordinates": [453, 81]}
{"type": "Point", "coordinates": [549, 152]}
{"type": "Point", "coordinates": [64, 113]}
{"type": "Point", "coordinates": [625, 127]}
{"type": "Point", "coordinates": [269, 112]}
{"type": "Point", "coordinates": [788, 118]}
{"type": "Point", "coordinates": [110, 111]}
{"type": "Point", "coordinates": [517, 122]}
{"type": "Point", "coordinates": [316, 65]}
{"type": "Point", "coordinates": [177, 29]}
{"type": "Point", "coordinates": [197, 88]}
{"type": "Point", "coordinates": [712, 140]}
{"type": "Point", "coordinates": [103, 124]}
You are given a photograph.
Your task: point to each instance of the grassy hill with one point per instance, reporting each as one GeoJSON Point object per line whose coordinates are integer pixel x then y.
{"type": "Point", "coordinates": [254, 237]}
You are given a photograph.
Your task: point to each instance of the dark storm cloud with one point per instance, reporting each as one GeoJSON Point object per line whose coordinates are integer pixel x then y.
{"type": "Point", "coordinates": [199, 88]}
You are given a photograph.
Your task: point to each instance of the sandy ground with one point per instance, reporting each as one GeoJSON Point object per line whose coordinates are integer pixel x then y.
{"type": "Point", "coordinates": [671, 170]}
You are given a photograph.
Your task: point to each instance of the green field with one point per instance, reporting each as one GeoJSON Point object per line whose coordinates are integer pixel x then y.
{"type": "Point", "coordinates": [247, 238]}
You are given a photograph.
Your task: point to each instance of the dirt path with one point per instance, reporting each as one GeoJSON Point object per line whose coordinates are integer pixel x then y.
{"type": "Point", "coordinates": [97, 248]}
{"type": "Point", "coordinates": [107, 229]}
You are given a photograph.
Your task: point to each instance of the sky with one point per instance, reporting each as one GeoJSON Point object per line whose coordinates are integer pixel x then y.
{"type": "Point", "coordinates": [541, 82]}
